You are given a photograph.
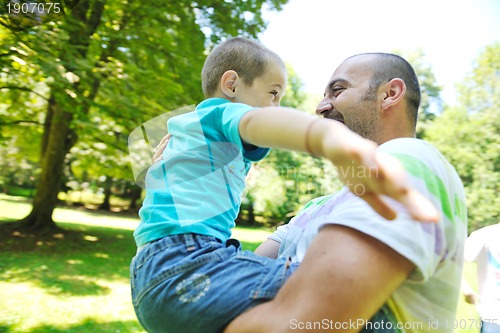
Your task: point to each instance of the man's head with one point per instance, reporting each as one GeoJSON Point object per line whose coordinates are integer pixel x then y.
{"type": "Point", "coordinates": [244, 71]}
{"type": "Point", "coordinates": [376, 95]}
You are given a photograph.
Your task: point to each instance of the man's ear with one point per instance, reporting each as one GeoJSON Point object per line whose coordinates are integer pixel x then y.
{"type": "Point", "coordinates": [228, 83]}
{"type": "Point", "coordinates": [395, 91]}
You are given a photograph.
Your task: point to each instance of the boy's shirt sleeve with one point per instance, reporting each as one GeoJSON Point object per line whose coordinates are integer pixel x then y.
{"type": "Point", "coordinates": [231, 118]}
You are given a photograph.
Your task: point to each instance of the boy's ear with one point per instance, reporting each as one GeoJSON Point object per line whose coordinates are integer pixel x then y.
{"type": "Point", "coordinates": [228, 83]}
{"type": "Point", "coordinates": [394, 91]}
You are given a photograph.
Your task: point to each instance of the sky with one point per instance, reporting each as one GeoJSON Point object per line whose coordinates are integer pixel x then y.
{"type": "Point", "coordinates": [314, 36]}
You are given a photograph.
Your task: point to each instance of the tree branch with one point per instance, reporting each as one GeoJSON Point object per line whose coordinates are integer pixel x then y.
{"type": "Point", "coordinates": [114, 145]}
{"type": "Point", "coordinates": [15, 122]}
{"type": "Point", "coordinates": [24, 89]}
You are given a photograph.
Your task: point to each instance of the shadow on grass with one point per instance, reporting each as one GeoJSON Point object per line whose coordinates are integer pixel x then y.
{"type": "Point", "coordinates": [12, 198]}
{"type": "Point", "coordinates": [73, 285]}
{"type": "Point", "coordinates": [86, 326]}
{"type": "Point", "coordinates": [67, 262]}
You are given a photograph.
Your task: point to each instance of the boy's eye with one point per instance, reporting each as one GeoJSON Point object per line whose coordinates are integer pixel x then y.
{"type": "Point", "coordinates": [274, 93]}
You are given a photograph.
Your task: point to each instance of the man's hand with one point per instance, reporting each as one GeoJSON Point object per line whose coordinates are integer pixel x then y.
{"type": "Point", "coordinates": [158, 155]}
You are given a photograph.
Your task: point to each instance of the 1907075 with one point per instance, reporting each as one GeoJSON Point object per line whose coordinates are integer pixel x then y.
{"type": "Point", "coordinates": [33, 8]}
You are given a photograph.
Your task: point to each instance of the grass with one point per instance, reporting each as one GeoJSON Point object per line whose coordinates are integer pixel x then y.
{"type": "Point", "coordinates": [77, 281]}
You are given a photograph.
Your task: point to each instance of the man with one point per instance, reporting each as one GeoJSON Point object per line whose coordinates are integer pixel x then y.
{"type": "Point", "coordinates": [483, 247]}
{"type": "Point", "coordinates": [358, 264]}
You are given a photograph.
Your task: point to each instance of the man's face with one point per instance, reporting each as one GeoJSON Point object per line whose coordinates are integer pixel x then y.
{"type": "Point", "coordinates": [348, 98]}
{"type": "Point", "coordinates": [266, 90]}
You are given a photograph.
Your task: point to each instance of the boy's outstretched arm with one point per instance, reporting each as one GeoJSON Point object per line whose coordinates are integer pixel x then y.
{"type": "Point", "coordinates": [290, 129]}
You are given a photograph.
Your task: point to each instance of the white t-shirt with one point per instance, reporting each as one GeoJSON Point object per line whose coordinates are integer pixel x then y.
{"type": "Point", "coordinates": [483, 247]}
{"type": "Point", "coordinates": [427, 300]}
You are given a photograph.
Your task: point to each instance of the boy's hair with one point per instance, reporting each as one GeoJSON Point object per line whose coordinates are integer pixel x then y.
{"type": "Point", "coordinates": [246, 57]}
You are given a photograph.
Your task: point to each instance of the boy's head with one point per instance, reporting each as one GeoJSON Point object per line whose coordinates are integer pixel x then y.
{"type": "Point", "coordinates": [244, 71]}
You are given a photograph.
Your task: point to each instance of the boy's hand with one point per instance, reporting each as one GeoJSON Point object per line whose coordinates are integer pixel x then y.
{"type": "Point", "coordinates": [158, 155]}
{"type": "Point", "coordinates": [371, 175]}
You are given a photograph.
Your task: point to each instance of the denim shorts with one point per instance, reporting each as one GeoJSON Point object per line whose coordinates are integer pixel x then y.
{"type": "Point", "coordinates": [488, 327]}
{"type": "Point", "coordinates": [196, 284]}
{"type": "Point", "coordinates": [193, 283]}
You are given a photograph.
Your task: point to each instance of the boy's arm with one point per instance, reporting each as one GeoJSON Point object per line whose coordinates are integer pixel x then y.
{"type": "Point", "coordinates": [368, 174]}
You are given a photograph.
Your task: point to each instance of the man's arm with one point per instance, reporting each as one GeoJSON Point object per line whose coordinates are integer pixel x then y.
{"type": "Point", "coordinates": [268, 248]}
{"type": "Point", "coordinates": [345, 276]}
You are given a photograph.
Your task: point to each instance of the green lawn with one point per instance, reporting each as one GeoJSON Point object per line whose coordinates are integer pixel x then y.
{"type": "Point", "coordinates": [78, 281]}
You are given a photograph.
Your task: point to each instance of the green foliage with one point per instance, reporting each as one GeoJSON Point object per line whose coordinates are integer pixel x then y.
{"type": "Point", "coordinates": [469, 136]}
{"type": "Point", "coordinates": [18, 159]}
{"type": "Point", "coordinates": [430, 91]}
{"type": "Point", "coordinates": [294, 97]}
{"type": "Point", "coordinates": [101, 70]}
{"type": "Point", "coordinates": [481, 89]}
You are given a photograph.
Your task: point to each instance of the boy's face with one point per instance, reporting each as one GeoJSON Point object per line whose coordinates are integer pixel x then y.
{"type": "Point", "coordinates": [266, 90]}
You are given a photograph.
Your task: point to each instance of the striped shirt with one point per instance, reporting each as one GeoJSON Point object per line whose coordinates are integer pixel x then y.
{"type": "Point", "coordinates": [197, 187]}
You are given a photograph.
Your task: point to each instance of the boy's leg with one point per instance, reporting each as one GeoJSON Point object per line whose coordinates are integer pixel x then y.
{"type": "Point", "coordinates": [192, 283]}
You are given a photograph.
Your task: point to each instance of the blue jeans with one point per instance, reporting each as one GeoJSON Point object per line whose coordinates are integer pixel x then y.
{"type": "Point", "coordinates": [488, 327]}
{"type": "Point", "coordinates": [193, 283]}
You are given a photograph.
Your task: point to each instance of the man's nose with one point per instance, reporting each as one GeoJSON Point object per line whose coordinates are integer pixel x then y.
{"type": "Point", "coordinates": [324, 105]}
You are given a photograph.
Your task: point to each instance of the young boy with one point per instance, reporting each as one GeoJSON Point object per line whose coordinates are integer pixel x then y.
{"type": "Point", "coordinates": [188, 276]}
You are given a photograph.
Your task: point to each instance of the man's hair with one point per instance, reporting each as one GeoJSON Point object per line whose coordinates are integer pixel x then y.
{"type": "Point", "coordinates": [388, 66]}
{"type": "Point", "coordinates": [246, 57]}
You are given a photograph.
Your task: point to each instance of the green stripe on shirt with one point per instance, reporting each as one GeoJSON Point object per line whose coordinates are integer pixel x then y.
{"type": "Point", "coordinates": [433, 183]}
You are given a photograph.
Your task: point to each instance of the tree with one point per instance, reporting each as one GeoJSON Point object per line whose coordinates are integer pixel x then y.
{"type": "Point", "coordinates": [127, 60]}
{"type": "Point", "coordinates": [429, 89]}
{"type": "Point", "coordinates": [469, 136]}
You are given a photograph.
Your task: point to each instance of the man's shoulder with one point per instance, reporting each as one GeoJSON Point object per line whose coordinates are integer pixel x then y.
{"type": "Point", "coordinates": [408, 145]}
{"type": "Point", "coordinates": [419, 155]}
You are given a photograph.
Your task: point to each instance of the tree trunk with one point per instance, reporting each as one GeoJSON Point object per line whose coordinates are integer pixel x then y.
{"type": "Point", "coordinates": [58, 136]}
{"type": "Point", "coordinates": [135, 195]}
{"type": "Point", "coordinates": [107, 194]}
{"type": "Point", "coordinates": [59, 139]}
{"type": "Point", "coordinates": [251, 213]}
